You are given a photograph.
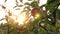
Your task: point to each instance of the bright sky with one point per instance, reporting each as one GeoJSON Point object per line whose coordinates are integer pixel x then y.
{"type": "Point", "coordinates": [11, 3]}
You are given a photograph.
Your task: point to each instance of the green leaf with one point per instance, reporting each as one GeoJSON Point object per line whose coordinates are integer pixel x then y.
{"type": "Point", "coordinates": [34, 4]}
{"type": "Point", "coordinates": [58, 14]}
{"type": "Point", "coordinates": [50, 1]}
{"type": "Point", "coordinates": [42, 31]}
{"type": "Point", "coordinates": [51, 4]}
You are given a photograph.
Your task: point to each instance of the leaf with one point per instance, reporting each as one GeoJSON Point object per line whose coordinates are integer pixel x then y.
{"type": "Point", "coordinates": [42, 31]}
{"type": "Point", "coordinates": [58, 14]}
{"type": "Point", "coordinates": [54, 29]}
{"type": "Point", "coordinates": [50, 1]}
{"type": "Point", "coordinates": [34, 4]}
{"type": "Point", "coordinates": [51, 4]}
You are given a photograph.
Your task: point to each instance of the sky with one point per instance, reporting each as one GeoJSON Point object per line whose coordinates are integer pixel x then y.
{"type": "Point", "coordinates": [9, 4]}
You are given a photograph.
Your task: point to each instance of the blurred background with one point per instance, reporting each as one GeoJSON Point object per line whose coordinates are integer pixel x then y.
{"type": "Point", "coordinates": [29, 16]}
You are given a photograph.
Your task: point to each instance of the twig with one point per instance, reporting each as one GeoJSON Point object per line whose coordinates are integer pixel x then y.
{"type": "Point", "coordinates": [2, 19]}
{"type": "Point", "coordinates": [3, 6]}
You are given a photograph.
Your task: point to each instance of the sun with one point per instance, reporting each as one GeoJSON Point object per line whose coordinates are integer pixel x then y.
{"type": "Point", "coordinates": [21, 18]}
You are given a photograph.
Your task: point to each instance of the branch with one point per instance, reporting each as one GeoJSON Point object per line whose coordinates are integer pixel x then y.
{"type": "Point", "coordinates": [54, 14]}
{"type": "Point", "coordinates": [2, 19]}
{"type": "Point", "coordinates": [43, 5]}
{"type": "Point", "coordinates": [5, 0]}
{"type": "Point", "coordinates": [57, 5]}
{"type": "Point", "coordinates": [46, 29]}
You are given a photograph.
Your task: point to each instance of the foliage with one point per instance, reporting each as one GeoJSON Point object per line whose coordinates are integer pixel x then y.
{"type": "Point", "coordinates": [36, 26]}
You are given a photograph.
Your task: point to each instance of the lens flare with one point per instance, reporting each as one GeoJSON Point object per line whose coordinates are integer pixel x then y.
{"type": "Point", "coordinates": [37, 16]}
{"type": "Point", "coordinates": [21, 18]}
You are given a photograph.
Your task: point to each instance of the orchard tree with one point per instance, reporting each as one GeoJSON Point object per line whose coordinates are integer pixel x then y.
{"type": "Point", "coordinates": [38, 19]}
